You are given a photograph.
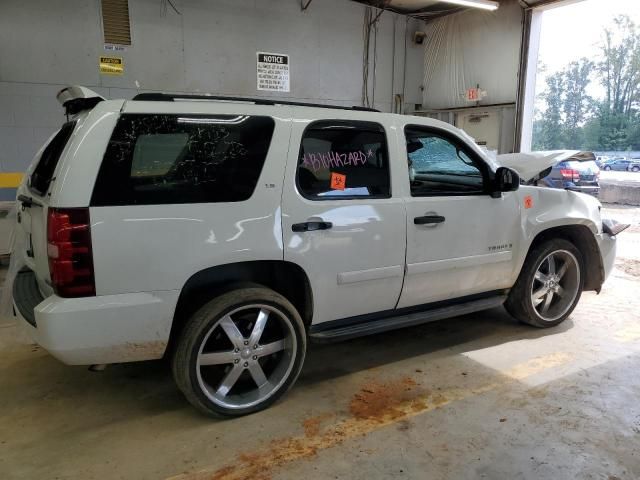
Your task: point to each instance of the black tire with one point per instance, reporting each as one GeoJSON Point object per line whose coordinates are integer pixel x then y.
{"type": "Point", "coordinates": [607, 168]}
{"type": "Point", "coordinates": [207, 319]}
{"type": "Point", "coordinates": [635, 169]}
{"type": "Point", "coordinates": [520, 303]}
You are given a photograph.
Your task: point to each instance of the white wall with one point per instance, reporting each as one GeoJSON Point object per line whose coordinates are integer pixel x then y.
{"type": "Point", "coordinates": [211, 47]}
{"type": "Point", "coordinates": [470, 48]}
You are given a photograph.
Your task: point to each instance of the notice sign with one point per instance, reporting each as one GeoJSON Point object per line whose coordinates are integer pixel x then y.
{"type": "Point", "coordinates": [273, 72]}
{"type": "Point", "coordinates": [111, 65]}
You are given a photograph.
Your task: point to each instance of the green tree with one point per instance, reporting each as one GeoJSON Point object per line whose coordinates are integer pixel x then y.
{"type": "Point", "coordinates": [577, 103]}
{"type": "Point", "coordinates": [550, 128]}
{"type": "Point", "coordinates": [571, 119]}
{"type": "Point", "coordinates": [567, 107]}
{"type": "Point", "coordinates": [619, 71]}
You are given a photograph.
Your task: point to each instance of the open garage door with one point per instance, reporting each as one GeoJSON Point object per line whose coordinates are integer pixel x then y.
{"type": "Point", "coordinates": [579, 81]}
{"type": "Point", "coordinates": [532, 26]}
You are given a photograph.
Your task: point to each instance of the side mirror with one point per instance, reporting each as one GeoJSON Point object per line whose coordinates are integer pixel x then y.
{"type": "Point", "coordinates": [506, 180]}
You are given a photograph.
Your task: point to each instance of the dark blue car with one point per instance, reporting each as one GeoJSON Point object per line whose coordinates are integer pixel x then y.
{"type": "Point", "coordinates": [577, 175]}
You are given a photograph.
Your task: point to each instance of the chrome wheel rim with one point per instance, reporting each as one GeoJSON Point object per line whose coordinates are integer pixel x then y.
{"type": "Point", "coordinates": [246, 356]}
{"type": "Point", "coordinates": [555, 285]}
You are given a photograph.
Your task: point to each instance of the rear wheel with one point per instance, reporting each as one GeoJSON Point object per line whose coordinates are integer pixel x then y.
{"type": "Point", "coordinates": [240, 352]}
{"type": "Point", "coordinates": [635, 169]}
{"type": "Point", "coordinates": [549, 286]}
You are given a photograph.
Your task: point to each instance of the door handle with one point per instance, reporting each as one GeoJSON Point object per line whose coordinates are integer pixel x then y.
{"type": "Point", "coordinates": [311, 226]}
{"type": "Point", "coordinates": [428, 220]}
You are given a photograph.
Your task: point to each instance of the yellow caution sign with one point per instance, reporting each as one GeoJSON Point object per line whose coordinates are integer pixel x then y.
{"type": "Point", "coordinates": [111, 65]}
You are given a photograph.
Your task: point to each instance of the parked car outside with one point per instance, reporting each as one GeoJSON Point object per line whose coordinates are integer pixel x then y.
{"type": "Point", "coordinates": [618, 165]}
{"type": "Point", "coordinates": [601, 160]}
{"type": "Point", "coordinates": [225, 235]}
{"type": "Point", "coordinates": [579, 173]}
{"type": "Point", "coordinates": [634, 166]}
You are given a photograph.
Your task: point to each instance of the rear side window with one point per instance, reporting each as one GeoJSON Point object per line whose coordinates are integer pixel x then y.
{"type": "Point", "coordinates": [343, 159]}
{"type": "Point", "coordinates": [170, 159]}
{"type": "Point", "coordinates": [43, 173]}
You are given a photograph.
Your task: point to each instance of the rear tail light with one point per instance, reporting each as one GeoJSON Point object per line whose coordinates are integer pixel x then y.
{"type": "Point", "coordinates": [69, 252]}
{"type": "Point", "coordinates": [570, 174]}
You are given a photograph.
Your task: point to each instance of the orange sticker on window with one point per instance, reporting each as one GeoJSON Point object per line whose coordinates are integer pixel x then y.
{"type": "Point", "coordinates": [338, 181]}
{"type": "Point", "coordinates": [528, 201]}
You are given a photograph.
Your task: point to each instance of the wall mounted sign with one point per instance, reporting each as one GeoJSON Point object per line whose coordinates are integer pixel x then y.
{"type": "Point", "coordinates": [114, 48]}
{"type": "Point", "coordinates": [475, 94]}
{"type": "Point", "coordinates": [273, 72]}
{"type": "Point", "coordinates": [111, 65]}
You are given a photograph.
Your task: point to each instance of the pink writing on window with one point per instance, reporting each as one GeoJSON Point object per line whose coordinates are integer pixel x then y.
{"type": "Point", "coordinates": [330, 160]}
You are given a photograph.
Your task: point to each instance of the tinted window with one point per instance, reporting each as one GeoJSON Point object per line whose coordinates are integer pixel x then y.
{"type": "Point", "coordinates": [43, 173]}
{"type": "Point", "coordinates": [439, 166]}
{"type": "Point", "coordinates": [343, 159]}
{"type": "Point", "coordinates": [161, 159]}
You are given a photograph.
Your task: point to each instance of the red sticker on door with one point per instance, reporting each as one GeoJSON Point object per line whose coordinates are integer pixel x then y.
{"type": "Point", "coordinates": [338, 181]}
{"type": "Point", "coordinates": [528, 201]}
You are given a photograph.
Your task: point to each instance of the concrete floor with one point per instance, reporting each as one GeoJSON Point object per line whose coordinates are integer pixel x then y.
{"type": "Point", "coordinates": [478, 396]}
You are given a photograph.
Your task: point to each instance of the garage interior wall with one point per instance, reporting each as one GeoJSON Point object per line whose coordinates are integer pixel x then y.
{"type": "Point", "coordinates": [475, 47]}
{"type": "Point", "coordinates": [209, 47]}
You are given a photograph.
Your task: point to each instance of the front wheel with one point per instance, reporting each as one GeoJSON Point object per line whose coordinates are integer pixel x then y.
{"type": "Point", "coordinates": [240, 352]}
{"type": "Point", "coordinates": [549, 285]}
{"type": "Point", "coordinates": [635, 169]}
{"type": "Point", "coordinates": [607, 168]}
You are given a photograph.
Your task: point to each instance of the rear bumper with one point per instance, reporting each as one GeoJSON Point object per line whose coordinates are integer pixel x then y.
{"type": "Point", "coordinates": [103, 329]}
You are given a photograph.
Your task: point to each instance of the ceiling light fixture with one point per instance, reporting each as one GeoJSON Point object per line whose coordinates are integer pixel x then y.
{"type": "Point", "coordinates": [483, 4]}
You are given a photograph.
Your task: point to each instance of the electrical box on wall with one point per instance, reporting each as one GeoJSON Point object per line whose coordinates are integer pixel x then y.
{"type": "Point", "coordinates": [483, 126]}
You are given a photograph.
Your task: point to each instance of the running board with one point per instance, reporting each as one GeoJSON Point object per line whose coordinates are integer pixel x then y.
{"type": "Point", "coordinates": [385, 324]}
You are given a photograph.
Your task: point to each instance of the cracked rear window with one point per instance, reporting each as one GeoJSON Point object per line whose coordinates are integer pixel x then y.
{"type": "Point", "coordinates": [170, 159]}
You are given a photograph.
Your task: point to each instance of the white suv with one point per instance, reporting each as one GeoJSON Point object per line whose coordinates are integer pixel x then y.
{"type": "Point", "coordinates": [226, 233]}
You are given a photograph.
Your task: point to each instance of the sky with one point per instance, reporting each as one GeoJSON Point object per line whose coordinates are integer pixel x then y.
{"type": "Point", "coordinates": [574, 31]}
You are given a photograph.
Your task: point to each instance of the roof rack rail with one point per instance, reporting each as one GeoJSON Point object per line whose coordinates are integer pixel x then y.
{"type": "Point", "coordinates": [170, 97]}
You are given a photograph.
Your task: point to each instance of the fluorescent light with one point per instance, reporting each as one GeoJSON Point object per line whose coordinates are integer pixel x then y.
{"type": "Point", "coordinates": [483, 4]}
